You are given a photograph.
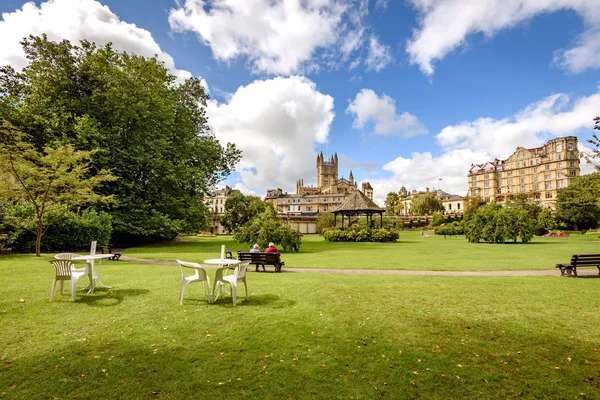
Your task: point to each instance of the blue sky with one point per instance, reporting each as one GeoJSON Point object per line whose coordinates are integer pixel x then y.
{"type": "Point", "coordinates": [406, 92]}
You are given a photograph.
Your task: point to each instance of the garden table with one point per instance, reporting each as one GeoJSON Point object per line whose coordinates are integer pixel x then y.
{"type": "Point", "coordinates": [220, 262]}
{"type": "Point", "coordinates": [95, 269]}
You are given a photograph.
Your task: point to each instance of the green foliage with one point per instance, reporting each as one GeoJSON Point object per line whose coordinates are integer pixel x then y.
{"type": "Point", "coordinates": [595, 141]}
{"type": "Point", "coordinates": [357, 234]}
{"type": "Point", "coordinates": [152, 131]}
{"type": "Point", "coordinates": [546, 222]}
{"type": "Point", "coordinates": [450, 229]}
{"type": "Point", "coordinates": [392, 201]}
{"type": "Point", "coordinates": [473, 204]}
{"type": "Point", "coordinates": [54, 179]}
{"type": "Point", "coordinates": [71, 231]}
{"type": "Point", "coordinates": [437, 219]}
{"type": "Point", "coordinates": [493, 223]}
{"type": "Point", "coordinates": [579, 203]}
{"type": "Point", "coordinates": [269, 227]}
{"type": "Point", "coordinates": [239, 210]}
{"type": "Point", "coordinates": [325, 220]}
{"type": "Point", "coordinates": [425, 203]}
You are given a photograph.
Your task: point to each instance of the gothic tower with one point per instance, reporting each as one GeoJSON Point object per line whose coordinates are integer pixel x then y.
{"type": "Point", "coordinates": [327, 171]}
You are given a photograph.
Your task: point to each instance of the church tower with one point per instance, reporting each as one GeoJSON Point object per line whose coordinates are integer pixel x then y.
{"type": "Point", "coordinates": [327, 171]}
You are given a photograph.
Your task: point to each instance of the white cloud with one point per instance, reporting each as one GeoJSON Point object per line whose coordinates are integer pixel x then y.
{"type": "Point", "coordinates": [484, 139]}
{"type": "Point", "coordinates": [368, 107]}
{"type": "Point", "coordinates": [282, 37]}
{"type": "Point", "coordinates": [276, 123]}
{"type": "Point", "coordinates": [556, 115]}
{"type": "Point", "coordinates": [75, 20]}
{"type": "Point", "coordinates": [278, 37]}
{"type": "Point", "coordinates": [445, 25]}
{"type": "Point", "coordinates": [379, 56]}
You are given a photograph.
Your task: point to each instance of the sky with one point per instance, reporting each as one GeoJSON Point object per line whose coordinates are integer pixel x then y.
{"type": "Point", "coordinates": [406, 92]}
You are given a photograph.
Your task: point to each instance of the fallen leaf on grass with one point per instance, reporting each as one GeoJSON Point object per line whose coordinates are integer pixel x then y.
{"type": "Point", "coordinates": [416, 372]}
{"type": "Point", "coordinates": [21, 300]}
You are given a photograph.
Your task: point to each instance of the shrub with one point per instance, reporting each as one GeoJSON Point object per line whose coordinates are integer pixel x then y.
{"type": "Point", "coordinates": [360, 235]}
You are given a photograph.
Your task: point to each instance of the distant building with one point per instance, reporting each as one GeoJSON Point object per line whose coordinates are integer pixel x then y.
{"type": "Point", "coordinates": [215, 201]}
{"type": "Point", "coordinates": [453, 203]}
{"type": "Point", "coordinates": [537, 172]}
{"type": "Point", "coordinates": [325, 197]}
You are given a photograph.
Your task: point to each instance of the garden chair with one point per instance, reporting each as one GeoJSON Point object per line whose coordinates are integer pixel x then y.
{"type": "Point", "coordinates": [239, 275]}
{"type": "Point", "coordinates": [87, 266]}
{"type": "Point", "coordinates": [198, 276]}
{"type": "Point", "coordinates": [66, 272]}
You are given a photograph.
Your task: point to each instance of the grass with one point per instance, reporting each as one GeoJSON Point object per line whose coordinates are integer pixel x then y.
{"type": "Point", "coordinates": [299, 336]}
{"type": "Point", "coordinates": [412, 252]}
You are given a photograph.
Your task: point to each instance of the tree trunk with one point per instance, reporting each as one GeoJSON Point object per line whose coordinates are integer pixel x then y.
{"type": "Point", "coordinates": [38, 240]}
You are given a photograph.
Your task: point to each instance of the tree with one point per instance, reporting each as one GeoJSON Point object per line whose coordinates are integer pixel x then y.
{"type": "Point", "coordinates": [493, 223]}
{"type": "Point", "coordinates": [51, 180]}
{"type": "Point", "coordinates": [269, 227]}
{"type": "Point", "coordinates": [239, 210]}
{"type": "Point", "coordinates": [325, 220]}
{"type": "Point", "coordinates": [426, 203]}
{"type": "Point", "coordinates": [152, 131]}
{"type": "Point", "coordinates": [578, 204]}
{"type": "Point", "coordinates": [595, 141]}
{"type": "Point", "coordinates": [473, 204]}
{"type": "Point", "coordinates": [392, 201]}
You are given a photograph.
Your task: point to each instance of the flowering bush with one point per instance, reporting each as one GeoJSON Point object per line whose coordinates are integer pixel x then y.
{"type": "Point", "coordinates": [360, 235]}
{"type": "Point", "coordinates": [557, 234]}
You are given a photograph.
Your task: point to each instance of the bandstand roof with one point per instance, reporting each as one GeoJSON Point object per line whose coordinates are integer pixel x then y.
{"type": "Point", "coordinates": [358, 202]}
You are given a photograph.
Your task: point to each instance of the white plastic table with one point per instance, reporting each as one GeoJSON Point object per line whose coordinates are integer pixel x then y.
{"type": "Point", "coordinates": [95, 274]}
{"type": "Point", "coordinates": [220, 262]}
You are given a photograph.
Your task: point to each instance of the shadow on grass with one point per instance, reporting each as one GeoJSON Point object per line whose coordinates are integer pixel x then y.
{"type": "Point", "coordinates": [110, 297]}
{"type": "Point", "coordinates": [264, 300]}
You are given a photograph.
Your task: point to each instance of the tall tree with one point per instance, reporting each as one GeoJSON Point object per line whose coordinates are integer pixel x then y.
{"type": "Point", "coordinates": [239, 209]}
{"type": "Point", "coordinates": [579, 203]}
{"type": "Point", "coordinates": [152, 130]}
{"type": "Point", "coordinates": [51, 180]}
{"type": "Point", "coordinates": [426, 203]}
{"type": "Point", "coordinates": [595, 141]}
{"type": "Point", "coordinates": [391, 203]}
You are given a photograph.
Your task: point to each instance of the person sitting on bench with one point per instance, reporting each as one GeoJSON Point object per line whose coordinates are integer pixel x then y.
{"type": "Point", "coordinates": [255, 249]}
{"type": "Point", "coordinates": [272, 249]}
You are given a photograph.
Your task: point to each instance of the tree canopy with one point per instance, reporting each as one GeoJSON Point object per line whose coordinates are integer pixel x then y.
{"type": "Point", "coordinates": [52, 180]}
{"type": "Point", "coordinates": [425, 203]}
{"type": "Point", "coordinates": [239, 210]}
{"type": "Point", "coordinates": [391, 203]}
{"type": "Point", "coordinates": [151, 131]}
{"type": "Point", "coordinates": [579, 203]}
{"type": "Point", "coordinates": [269, 227]}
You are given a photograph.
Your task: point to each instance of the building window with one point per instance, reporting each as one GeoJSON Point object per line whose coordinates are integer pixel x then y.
{"type": "Point", "coordinates": [510, 181]}
{"type": "Point", "coordinates": [458, 206]}
{"type": "Point", "coordinates": [521, 180]}
{"type": "Point", "coordinates": [308, 208]}
{"type": "Point", "coordinates": [547, 167]}
{"type": "Point", "coordinates": [559, 174]}
{"type": "Point", "coordinates": [559, 184]}
{"type": "Point", "coordinates": [522, 172]}
{"type": "Point", "coordinates": [534, 170]}
{"type": "Point", "coordinates": [499, 191]}
{"type": "Point", "coordinates": [559, 165]}
{"type": "Point", "coordinates": [500, 182]}
{"type": "Point", "coordinates": [534, 179]}
{"type": "Point", "coordinates": [486, 192]}
{"type": "Point", "coordinates": [570, 146]}
{"type": "Point", "coordinates": [548, 195]}
{"type": "Point", "coordinates": [509, 173]}
{"type": "Point", "coordinates": [486, 184]}
{"type": "Point", "coordinates": [324, 208]}
{"type": "Point", "coordinates": [486, 176]}
{"type": "Point", "coordinates": [535, 186]}
{"type": "Point", "coordinates": [547, 175]}
{"type": "Point", "coordinates": [548, 185]}
{"type": "Point", "coordinates": [530, 163]}
{"type": "Point", "coordinates": [473, 178]}
{"type": "Point", "coordinates": [522, 188]}
{"type": "Point", "coordinates": [572, 173]}
{"type": "Point", "coordinates": [559, 147]}
{"type": "Point", "coordinates": [558, 157]}
{"type": "Point", "coordinates": [499, 175]}
{"type": "Point", "coordinates": [537, 161]}
{"type": "Point", "coordinates": [572, 164]}
{"type": "Point", "coordinates": [519, 164]}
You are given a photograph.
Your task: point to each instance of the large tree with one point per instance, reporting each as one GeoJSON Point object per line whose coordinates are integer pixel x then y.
{"type": "Point", "coordinates": [152, 130]}
{"type": "Point", "coordinates": [426, 203]}
{"type": "Point", "coordinates": [392, 200]}
{"type": "Point", "coordinates": [52, 180]}
{"type": "Point", "coordinates": [579, 203]}
{"type": "Point", "coordinates": [595, 141]}
{"type": "Point", "coordinates": [239, 209]}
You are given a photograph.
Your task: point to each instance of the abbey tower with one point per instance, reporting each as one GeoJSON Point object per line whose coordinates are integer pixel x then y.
{"type": "Point", "coordinates": [327, 172]}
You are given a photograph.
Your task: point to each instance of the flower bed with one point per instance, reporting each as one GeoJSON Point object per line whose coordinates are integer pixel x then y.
{"type": "Point", "coordinates": [557, 234]}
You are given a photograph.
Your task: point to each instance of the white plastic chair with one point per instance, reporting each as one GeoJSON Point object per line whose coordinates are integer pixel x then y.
{"type": "Point", "coordinates": [66, 272]}
{"type": "Point", "coordinates": [239, 275]}
{"type": "Point", "coordinates": [198, 276]}
{"type": "Point", "coordinates": [87, 269]}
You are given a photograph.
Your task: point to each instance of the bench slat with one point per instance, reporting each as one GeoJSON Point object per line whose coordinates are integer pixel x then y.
{"type": "Point", "coordinates": [579, 260]}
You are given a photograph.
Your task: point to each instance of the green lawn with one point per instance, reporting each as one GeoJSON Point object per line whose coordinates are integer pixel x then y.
{"type": "Point", "coordinates": [299, 336]}
{"type": "Point", "coordinates": [412, 252]}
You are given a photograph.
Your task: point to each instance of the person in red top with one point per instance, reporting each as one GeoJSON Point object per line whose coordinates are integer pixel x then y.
{"type": "Point", "coordinates": [271, 248]}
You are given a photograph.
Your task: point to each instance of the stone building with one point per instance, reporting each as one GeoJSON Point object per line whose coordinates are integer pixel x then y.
{"type": "Point", "coordinates": [453, 203]}
{"type": "Point", "coordinates": [325, 197]}
{"type": "Point", "coordinates": [537, 172]}
{"type": "Point", "coordinates": [215, 201]}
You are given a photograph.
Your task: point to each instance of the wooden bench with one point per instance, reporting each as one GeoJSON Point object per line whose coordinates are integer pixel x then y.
{"type": "Point", "coordinates": [115, 256]}
{"type": "Point", "coordinates": [579, 260]}
{"type": "Point", "coordinates": [262, 259]}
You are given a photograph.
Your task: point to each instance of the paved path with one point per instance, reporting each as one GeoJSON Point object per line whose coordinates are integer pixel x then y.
{"type": "Point", "coordinates": [385, 271]}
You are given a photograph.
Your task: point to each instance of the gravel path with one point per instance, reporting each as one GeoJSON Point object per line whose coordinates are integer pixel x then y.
{"type": "Point", "coordinates": [386, 271]}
